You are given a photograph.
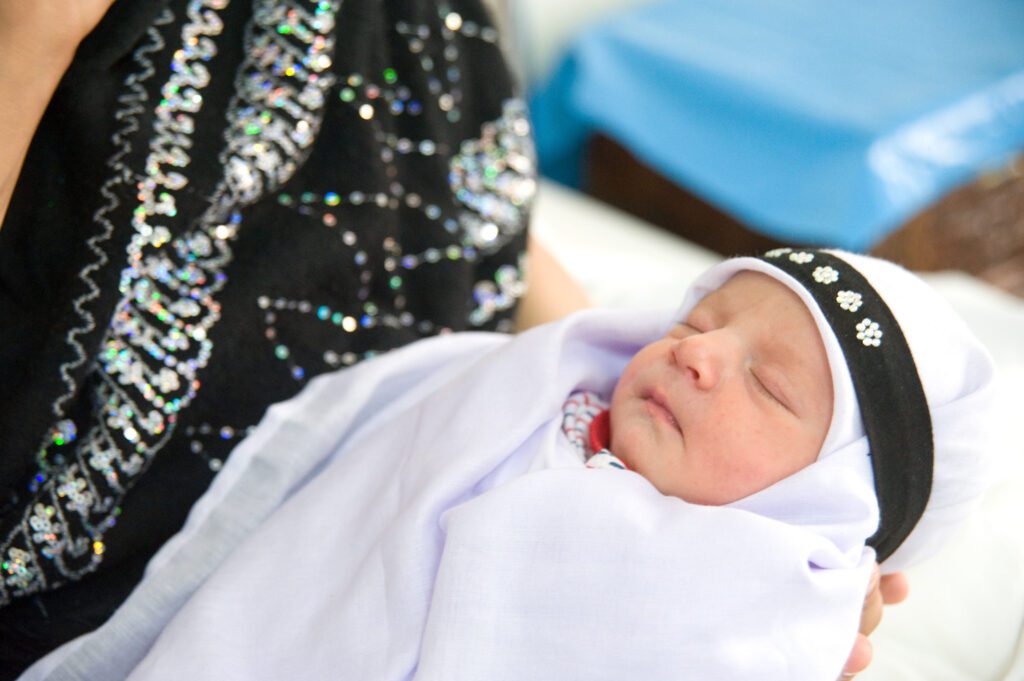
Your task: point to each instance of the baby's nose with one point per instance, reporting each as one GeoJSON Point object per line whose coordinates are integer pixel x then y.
{"type": "Point", "coordinates": [708, 357]}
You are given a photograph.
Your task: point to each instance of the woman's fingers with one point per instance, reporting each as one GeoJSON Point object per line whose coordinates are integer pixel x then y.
{"type": "Point", "coordinates": [871, 615]}
{"type": "Point", "coordinates": [882, 590]}
{"type": "Point", "coordinates": [895, 588]}
{"type": "Point", "coordinates": [860, 658]}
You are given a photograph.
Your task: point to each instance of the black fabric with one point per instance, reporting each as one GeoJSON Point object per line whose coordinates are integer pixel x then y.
{"type": "Point", "coordinates": [285, 251]}
{"type": "Point", "coordinates": [892, 402]}
{"type": "Point", "coordinates": [48, 221]}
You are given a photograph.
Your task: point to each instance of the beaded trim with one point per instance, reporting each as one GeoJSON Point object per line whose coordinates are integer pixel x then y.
{"type": "Point", "coordinates": [493, 177]}
{"type": "Point", "coordinates": [132, 105]}
{"type": "Point", "coordinates": [157, 342]}
{"type": "Point", "coordinates": [20, 568]}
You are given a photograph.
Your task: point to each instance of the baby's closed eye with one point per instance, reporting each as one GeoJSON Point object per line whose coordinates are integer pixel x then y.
{"type": "Point", "coordinates": [769, 389]}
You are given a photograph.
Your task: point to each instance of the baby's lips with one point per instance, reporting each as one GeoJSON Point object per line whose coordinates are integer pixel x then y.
{"type": "Point", "coordinates": [664, 408]}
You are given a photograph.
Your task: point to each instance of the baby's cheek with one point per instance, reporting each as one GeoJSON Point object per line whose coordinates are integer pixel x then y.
{"type": "Point", "coordinates": [623, 386]}
{"type": "Point", "coordinates": [630, 436]}
{"type": "Point", "coordinates": [763, 469]}
{"type": "Point", "coordinates": [620, 432]}
{"type": "Point", "coordinates": [629, 373]}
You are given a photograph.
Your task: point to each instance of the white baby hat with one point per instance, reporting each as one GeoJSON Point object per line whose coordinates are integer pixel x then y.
{"type": "Point", "coordinates": [956, 374]}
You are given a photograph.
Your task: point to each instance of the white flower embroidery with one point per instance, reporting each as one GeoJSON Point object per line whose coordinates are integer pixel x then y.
{"type": "Point", "coordinates": [801, 258]}
{"type": "Point", "coordinates": [825, 275]}
{"type": "Point", "coordinates": [849, 300]}
{"type": "Point", "coordinates": [776, 252]}
{"type": "Point", "coordinates": [868, 332]}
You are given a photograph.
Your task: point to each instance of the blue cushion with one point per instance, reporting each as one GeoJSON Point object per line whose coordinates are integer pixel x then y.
{"type": "Point", "coordinates": [815, 121]}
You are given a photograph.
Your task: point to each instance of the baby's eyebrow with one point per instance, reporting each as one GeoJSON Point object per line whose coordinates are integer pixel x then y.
{"type": "Point", "coordinates": [676, 330]}
{"type": "Point", "coordinates": [701, 315]}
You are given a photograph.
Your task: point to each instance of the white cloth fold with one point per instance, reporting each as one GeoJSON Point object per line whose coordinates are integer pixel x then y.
{"type": "Point", "coordinates": [421, 516]}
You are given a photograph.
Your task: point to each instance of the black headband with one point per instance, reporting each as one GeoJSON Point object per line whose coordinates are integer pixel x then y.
{"type": "Point", "coordinates": [892, 402]}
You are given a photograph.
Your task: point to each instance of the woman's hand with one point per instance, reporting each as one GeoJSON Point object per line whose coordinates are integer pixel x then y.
{"type": "Point", "coordinates": [887, 590]}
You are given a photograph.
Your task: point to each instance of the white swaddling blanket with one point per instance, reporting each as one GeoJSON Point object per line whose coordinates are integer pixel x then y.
{"type": "Point", "coordinates": [422, 516]}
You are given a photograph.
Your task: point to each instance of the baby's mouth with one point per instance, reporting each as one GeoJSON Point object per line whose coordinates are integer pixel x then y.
{"type": "Point", "coordinates": [658, 405]}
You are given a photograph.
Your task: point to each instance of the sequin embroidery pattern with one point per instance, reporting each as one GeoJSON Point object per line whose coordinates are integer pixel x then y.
{"type": "Point", "coordinates": [132, 102]}
{"type": "Point", "coordinates": [492, 179]}
{"type": "Point", "coordinates": [490, 296]}
{"type": "Point", "coordinates": [158, 341]}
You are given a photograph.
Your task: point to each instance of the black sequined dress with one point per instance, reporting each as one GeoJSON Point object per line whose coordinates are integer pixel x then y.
{"type": "Point", "coordinates": [224, 199]}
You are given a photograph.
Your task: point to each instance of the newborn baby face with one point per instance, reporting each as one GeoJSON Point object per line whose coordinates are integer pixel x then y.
{"type": "Point", "coordinates": [734, 399]}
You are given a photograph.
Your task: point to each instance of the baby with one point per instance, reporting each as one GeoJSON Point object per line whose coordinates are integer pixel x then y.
{"type": "Point", "coordinates": [740, 393]}
{"type": "Point", "coordinates": [728, 402]}
{"type": "Point", "coordinates": [423, 515]}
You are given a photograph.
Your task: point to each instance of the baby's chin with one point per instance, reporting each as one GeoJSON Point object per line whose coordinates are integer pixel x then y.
{"type": "Point", "coordinates": [636, 451]}
{"type": "Point", "coordinates": [633, 446]}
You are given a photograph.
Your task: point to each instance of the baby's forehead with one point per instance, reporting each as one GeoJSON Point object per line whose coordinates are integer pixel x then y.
{"type": "Point", "coordinates": [782, 325]}
{"type": "Point", "coordinates": [751, 283]}
{"type": "Point", "coordinates": [750, 293]}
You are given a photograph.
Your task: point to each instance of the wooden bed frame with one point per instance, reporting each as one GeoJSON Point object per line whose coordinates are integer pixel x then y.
{"type": "Point", "coordinates": [978, 228]}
